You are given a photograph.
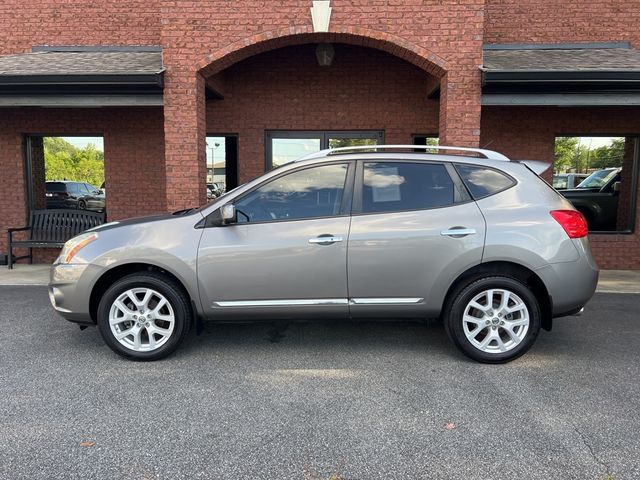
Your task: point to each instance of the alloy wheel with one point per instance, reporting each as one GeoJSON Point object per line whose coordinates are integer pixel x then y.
{"type": "Point", "coordinates": [141, 319]}
{"type": "Point", "coordinates": [496, 321]}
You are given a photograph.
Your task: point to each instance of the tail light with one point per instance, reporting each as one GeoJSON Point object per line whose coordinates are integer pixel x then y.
{"type": "Point", "coordinates": [572, 221]}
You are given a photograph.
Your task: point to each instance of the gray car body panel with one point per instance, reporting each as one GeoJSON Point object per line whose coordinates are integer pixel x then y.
{"type": "Point", "coordinates": [388, 264]}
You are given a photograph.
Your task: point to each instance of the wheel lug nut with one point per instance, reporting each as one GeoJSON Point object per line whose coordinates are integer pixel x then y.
{"type": "Point", "coordinates": [502, 323]}
{"type": "Point", "coordinates": [488, 322]}
{"type": "Point", "coordinates": [494, 327]}
{"type": "Point", "coordinates": [135, 317]}
{"type": "Point", "coordinates": [146, 324]}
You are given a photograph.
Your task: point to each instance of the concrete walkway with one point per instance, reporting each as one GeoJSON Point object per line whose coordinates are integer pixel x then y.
{"type": "Point", "coordinates": [611, 281]}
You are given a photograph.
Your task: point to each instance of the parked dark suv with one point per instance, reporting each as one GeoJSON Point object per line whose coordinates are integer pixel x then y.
{"type": "Point", "coordinates": [596, 197]}
{"type": "Point", "coordinates": [76, 195]}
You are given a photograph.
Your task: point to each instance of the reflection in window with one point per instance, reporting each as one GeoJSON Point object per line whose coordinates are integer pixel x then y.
{"type": "Point", "coordinates": [481, 181]}
{"type": "Point", "coordinates": [309, 193]}
{"type": "Point", "coordinates": [216, 167]}
{"type": "Point", "coordinates": [73, 173]}
{"type": "Point", "coordinates": [599, 175]}
{"type": "Point", "coordinates": [395, 186]}
{"type": "Point", "coordinates": [285, 150]}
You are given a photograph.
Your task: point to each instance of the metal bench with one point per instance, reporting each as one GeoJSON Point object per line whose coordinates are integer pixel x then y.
{"type": "Point", "coordinates": [51, 229]}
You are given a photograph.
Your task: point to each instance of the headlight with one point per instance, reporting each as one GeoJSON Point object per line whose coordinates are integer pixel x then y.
{"type": "Point", "coordinates": [73, 246]}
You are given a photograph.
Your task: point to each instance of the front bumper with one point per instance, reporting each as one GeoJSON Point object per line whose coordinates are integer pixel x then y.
{"type": "Point", "coordinates": [70, 288]}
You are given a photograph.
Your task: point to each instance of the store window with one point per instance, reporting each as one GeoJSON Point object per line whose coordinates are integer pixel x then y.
{"type": "Point", "coordinates": [66, 173]}
{"type": "Point", "coordinates": [222, 164]}
{"type": "Point", "coordinates": [598, 175]}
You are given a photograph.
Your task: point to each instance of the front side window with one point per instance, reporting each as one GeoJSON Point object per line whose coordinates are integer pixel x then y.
{"type": "Point", "coordinates": [483, 181]}
{"type": "Point", "coordinates": [308, 193]}
{"type": "Point", "coordinates": [395, 186]}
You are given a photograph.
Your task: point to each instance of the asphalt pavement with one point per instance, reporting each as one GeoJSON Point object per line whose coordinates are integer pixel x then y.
{"type": "Point", "coordinates": [371, 400]}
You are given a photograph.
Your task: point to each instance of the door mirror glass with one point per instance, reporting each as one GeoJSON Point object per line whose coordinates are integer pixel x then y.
{"type": "Point", "coordinates": [228, 214]}
{"type": "Point", "coordinates": [616, 187]}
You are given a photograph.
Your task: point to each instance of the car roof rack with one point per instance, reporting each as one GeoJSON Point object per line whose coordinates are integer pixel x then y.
{"type": "Point", "coordinates": [488, 154]}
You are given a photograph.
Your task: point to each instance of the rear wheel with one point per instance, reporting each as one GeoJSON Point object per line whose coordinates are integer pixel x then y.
{"type": "Point", "coordinates": [494, 319]}
{"type": "Point", "coordinates": [82, 205]}
{"type": "Point", "coordinates": [144, 316]}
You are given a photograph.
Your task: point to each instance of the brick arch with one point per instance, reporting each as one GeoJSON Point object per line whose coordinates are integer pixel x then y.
{"type": "Point", "coordinates": [263, 42]}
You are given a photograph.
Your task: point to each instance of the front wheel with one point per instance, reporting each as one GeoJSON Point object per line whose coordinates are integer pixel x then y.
{"type": "Point", "coordinates": [144, 316]}
{"type": "Point", "coordinates": [493, 319]}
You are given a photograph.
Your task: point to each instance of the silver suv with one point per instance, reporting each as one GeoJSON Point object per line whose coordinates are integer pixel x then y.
{"type": "Point", "coordinates": [475, 239]}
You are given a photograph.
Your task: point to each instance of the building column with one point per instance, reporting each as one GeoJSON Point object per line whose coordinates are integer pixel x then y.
{"type": "Point", "coordinates": [460, 106]}
{"type": "Point", "coordinates": [185, 140]}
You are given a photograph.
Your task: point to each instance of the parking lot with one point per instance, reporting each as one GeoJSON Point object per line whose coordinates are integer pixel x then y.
{"type": "Point", "coordinates": [368, 400]}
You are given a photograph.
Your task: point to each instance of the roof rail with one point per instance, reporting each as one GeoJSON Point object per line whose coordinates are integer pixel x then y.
{"type": "Point", "coordinates": [488, 154]}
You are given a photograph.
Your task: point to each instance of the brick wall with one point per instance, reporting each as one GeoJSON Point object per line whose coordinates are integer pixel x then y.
{"type": "Point", "coordinates": [529, 133]}
{"type": "Point", "coordinates": [285, 89]}
{"type": "Point", "coordinates": [557, 21]}
{"type": "Point", "coordinates": [438, 36]}
{"type": "Point", "coordinates": [134, 152]}
{"type": "Point", "coordinates": [79, 22]}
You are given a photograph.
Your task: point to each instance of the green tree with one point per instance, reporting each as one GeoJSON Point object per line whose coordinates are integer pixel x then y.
{"type": "Point", "coordinates": [608, 156]}
{"type": "Point", "coordinates": [64, 161]}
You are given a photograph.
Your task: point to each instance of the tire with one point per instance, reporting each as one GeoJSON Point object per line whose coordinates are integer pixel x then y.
{"type": "Point", "coordinates": [467, 326]}
{"type": "Point", "coordinates": [165, 326]}
{"type": "Point", "coordinates": [82, 205]}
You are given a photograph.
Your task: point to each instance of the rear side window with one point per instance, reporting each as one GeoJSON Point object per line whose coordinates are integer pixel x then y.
{"type": "Point", "coordinates": [396, 186]}
{"type": "Point", "coordinates": [483, 181]}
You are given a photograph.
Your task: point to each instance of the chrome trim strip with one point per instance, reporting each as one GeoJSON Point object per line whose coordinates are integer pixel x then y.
{"type": "Point", "coordinates": [282, 303]}
{"type": "Point", "coordinates": [386, 301]}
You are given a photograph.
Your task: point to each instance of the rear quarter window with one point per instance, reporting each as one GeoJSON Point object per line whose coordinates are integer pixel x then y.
{"type": "Point", "coordinates": [483, 181]}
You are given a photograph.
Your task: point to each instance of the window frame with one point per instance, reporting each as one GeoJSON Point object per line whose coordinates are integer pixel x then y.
{"type": "Point", "coordinates": [345, 204]}
{"type": "Point", "coordinates": [635, 178]}
{"type": "Point", "coordinates": [460, 194]}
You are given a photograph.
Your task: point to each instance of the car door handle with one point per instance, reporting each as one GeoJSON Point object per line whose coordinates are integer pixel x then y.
{"type": "Point", "coordinates": [325, 239]}
{"type": "Point", "coordinates": [458, 232]}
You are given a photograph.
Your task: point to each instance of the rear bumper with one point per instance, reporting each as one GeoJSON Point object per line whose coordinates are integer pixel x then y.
{"type": "Point", "coordinates": [570, 284]}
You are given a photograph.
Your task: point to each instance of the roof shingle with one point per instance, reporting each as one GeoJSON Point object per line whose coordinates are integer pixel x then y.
{"type": "Point", "coordinates": [82, 63]}
{"type": "Point", "coordinates": [562, 60]}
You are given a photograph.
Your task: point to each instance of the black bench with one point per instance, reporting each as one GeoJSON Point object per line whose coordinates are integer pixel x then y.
{"type": "Point", "coordinates": [51, 229]}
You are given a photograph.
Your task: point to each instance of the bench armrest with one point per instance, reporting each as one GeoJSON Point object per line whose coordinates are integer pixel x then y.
{"type": "Point", "coordinates": [20, 229]}
{"type": "Point", "coordinates": [10, 231]}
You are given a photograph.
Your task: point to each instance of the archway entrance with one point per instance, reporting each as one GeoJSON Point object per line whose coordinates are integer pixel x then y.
{"type": "Point", "coordinates": [285, 102]}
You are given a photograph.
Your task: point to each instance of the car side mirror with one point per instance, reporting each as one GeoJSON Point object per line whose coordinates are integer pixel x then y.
{"type": "Point", "coordinates": [228, 214]}
{"type": "Point", "coordinates": [616, 187]}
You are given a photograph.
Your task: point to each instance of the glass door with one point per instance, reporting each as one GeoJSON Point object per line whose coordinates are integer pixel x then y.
{"type": "Point", "coordinates": [284, 147]}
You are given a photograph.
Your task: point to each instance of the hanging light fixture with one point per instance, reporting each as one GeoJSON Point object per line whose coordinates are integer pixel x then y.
{"type": "Point", "coordinates": [325, 54]}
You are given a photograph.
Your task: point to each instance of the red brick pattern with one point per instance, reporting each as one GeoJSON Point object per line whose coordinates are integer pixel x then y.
{"type": "Point", "coordinates": [24, 23]}
{"type": "Point", "coordinates": [561, 21]}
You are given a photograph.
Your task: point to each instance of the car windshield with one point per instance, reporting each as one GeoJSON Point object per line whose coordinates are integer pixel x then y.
{"type": "Point", "coordinates": [597, 179]}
